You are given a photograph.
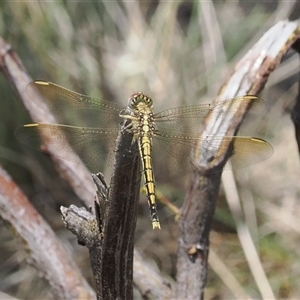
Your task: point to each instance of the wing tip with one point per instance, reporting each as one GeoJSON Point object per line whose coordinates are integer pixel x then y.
{"type": "Point", "coordinates": [41, 82]}
{"type": "Point", "coordinates": [31, 125]}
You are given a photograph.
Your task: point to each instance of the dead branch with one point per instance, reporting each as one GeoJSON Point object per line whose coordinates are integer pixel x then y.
{"type": "Point", "coordinates": [152, 286]}
{"type": "Point", "coordinates": [146, 278]}
{"type": "Point", "coordinates": [248, 77]}
{"type": "Point", "coordinates": [46, 252]}
{"type": "Point", "coordinates": [116, 263]}
{"type": "Point", "coordinates": [111, 248]}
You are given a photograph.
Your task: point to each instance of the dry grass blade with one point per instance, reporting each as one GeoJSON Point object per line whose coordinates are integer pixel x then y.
{"type": "Point", "coordinates": [245, 236]}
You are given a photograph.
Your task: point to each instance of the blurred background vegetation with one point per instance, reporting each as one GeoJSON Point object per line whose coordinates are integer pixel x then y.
{"type": "Point", "coordinates": [178, 52]}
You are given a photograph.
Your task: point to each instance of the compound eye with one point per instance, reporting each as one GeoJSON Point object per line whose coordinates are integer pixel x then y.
{"type": "Point", "coordinates": [132, 101]}
{"type": "Point", "coordinates": [148, 100]}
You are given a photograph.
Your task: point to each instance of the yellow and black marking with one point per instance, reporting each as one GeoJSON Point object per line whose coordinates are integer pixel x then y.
{"type": "Point", "coordinates": [145, 153]}
{"type": "Point", "coordinates": [140, 113]}
{"type": "Point", "coordinates": [100, 121]}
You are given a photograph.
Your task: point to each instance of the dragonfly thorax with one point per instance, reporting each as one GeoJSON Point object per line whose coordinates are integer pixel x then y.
{"type": "Point", "coordinates": [142, 123]}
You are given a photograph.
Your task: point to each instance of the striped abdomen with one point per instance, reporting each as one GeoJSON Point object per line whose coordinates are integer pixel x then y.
{"type": "Point", "coordinates": [145, 149]}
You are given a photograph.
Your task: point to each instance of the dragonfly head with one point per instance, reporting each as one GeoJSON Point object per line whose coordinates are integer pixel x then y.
{"type": "Point", "coordinates": [138, 99]}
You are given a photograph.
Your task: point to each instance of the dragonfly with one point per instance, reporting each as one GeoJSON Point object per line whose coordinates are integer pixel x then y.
{"type": "Point", "coordinates": [91, 126]}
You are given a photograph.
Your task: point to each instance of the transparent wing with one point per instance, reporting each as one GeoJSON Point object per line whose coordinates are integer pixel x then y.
{"type": "Point", "coordinates": [188, 120]}
{"type": "Point", "coordinates": [246, 151]}
{"type": "Point", "coordinates": [93, 146]}
{"type": "Point", "coordinates": [91, 125]}
{"type": "Point", "coordinates": [88, 124]}
{"type": "Point", "coordinates": [178, 130]}
{"type": "Point", "coordinates": [71, 108]}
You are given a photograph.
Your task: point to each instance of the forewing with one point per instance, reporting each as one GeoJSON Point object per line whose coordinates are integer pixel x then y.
{"type": "Point", "coordinates": [71, 108]}
{"type": "Point", "coordinates": [189, 120]}
{"type": "Point", "coordinates": [87, 124]}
